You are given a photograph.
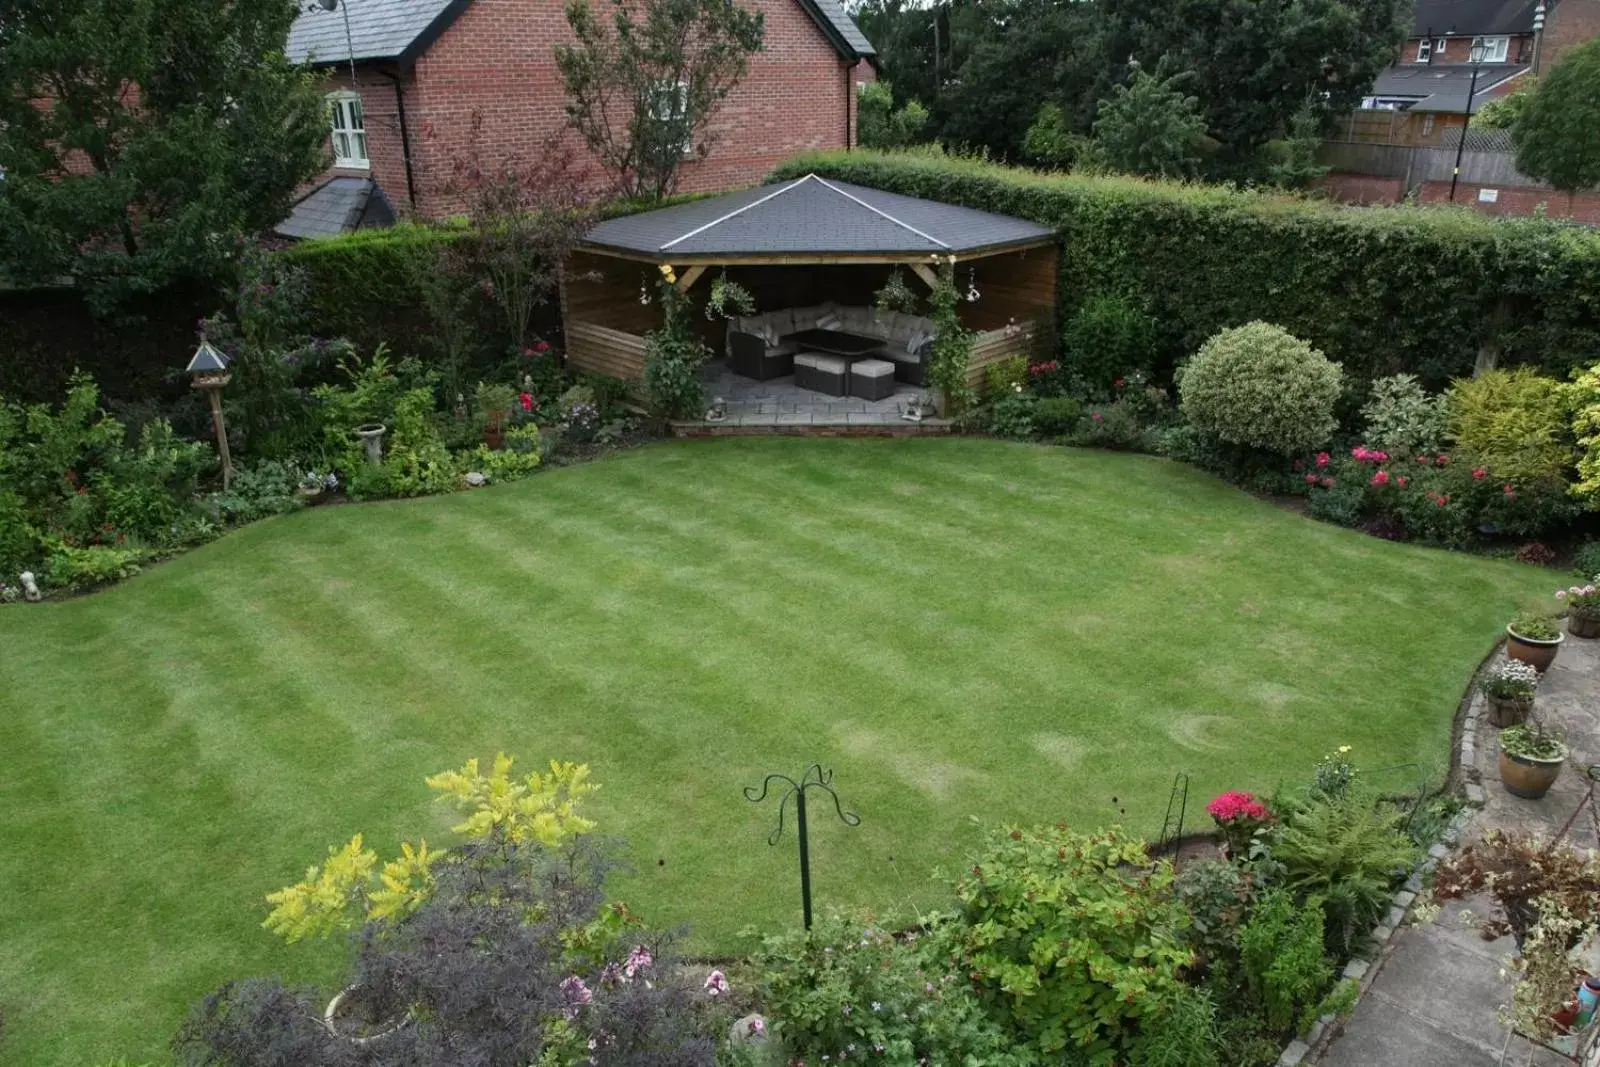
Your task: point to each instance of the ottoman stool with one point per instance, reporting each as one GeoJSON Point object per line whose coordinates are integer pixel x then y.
{"type": "Point", "coordinates": [871, 379]}
{"type": "Point", "coordinates": [822, 374]}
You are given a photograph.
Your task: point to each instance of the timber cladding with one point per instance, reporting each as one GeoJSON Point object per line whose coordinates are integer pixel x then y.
{"type": "Point", "coordinates": [602, 350]}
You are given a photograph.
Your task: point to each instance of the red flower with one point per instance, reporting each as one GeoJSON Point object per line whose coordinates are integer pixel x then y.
{"type": "Point", "coordinates": [1236, 805]}
{"type": "Point", "coordinates": [1444, 498]}
{"type": "Point", "coordinates": [1425, 461]}
{"type": "Point", "coordinates": [1322, 459]}
{"type": "Point", "coordinates": [1381, 478]}
{"type": "Point", "coordinates": [1442, 460]}
{"type": "Point", "coordinates": [1480, 473]}
{"type": "Point", "coordinates": [1120, 383]}
{"type": "Point", "coordinates": [1327, 482]}
{"type": "Point", "coordinates": [1401, 481]}
{"type": "Point", "coordinates": [1509, 491]}
{"type": "Point", "coordinates": [526, 400]}
{"type": "Point", "coordinates": [527, 353]}
{"type": "Point", "coordinates": [1311, 479]}
{"type": "Point", "coordinates": [541, 346]}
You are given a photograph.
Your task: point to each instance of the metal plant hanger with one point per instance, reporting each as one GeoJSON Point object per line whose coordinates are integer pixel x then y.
{"type": "Point", "coordinates": [814, 778]}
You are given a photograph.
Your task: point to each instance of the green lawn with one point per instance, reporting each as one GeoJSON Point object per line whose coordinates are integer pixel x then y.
{"type": "Point", "coordinates": [958, 627]}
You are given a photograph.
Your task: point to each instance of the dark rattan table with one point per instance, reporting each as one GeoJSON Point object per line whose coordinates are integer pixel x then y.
{"type": "Point", "coordinates": [836, 343]}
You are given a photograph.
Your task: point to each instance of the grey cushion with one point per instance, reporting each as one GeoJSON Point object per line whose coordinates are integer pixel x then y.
{"type": "Point", "coordinates": [830, 321]}
{"type": "Point", "coordinates": [872, 368]}
{"type": "Point", "coordinates": [769, 333]}
{"type": "Point", "coordinates": [807, 359]}
{"type": "Point", "coordinates": [825, 364]}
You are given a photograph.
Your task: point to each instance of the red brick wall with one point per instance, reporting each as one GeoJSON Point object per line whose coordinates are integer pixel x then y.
{"type": "Point", "coordinates": [1568, 24]}
{"type": "Point", "coordinates": [384, 144]}
{"type": "Point", "coordinates": [1362, 188]}
{"type": "Point", "coordinates": [497, 59]}
{"type": "Point", "coordinates": [1517, 200]}
{"type": "Point", "coordinates": [1457, 49]}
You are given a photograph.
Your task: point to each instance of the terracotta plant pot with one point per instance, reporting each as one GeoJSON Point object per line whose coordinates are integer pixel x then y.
{"type": "Point", "coordinates": [1505, 711]}
{"type": "Point", "coordinates": [1583, 625]}
{"type": "Point", "coordinates": [1536, 654]}
{"type": "Point", "coordinates": [1529, 778]}
{"type": "Point", "coordinates": [494, 436]}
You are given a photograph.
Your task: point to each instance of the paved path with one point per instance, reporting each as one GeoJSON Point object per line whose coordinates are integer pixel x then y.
{"type": "Point", "coordinates": [1437, 991]}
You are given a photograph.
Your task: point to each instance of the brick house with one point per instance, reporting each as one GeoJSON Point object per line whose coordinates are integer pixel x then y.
{"type": "Point", "coordinates": [1422, 99]}
{"type": "Point", "coordinates": [406, 77]}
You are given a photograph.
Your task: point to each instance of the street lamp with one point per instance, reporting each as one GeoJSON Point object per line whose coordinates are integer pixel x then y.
{"type": "Point", "coordinates": [208, 372]}
{"type": "Point", "coordinates": [1479, 49]}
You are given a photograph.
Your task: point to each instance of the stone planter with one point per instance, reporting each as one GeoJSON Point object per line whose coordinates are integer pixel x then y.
{"type": "Point", "coordinates": [371, 435]}
{"type": "Point", "coordinates": [1508, 711]}
{"type": "Point", "coordinates": [1529, 778]}
{"type": "Point", "coordinates": [342, 1019]}
{"type": "Point", "coordinates": [1583, 626]}
{"type": "Point", "coordinates": [1535, 653]}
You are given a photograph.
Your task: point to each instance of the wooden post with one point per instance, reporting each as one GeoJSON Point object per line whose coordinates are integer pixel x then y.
{"type": "Point", "coordinates": [925, 272]}
{"type": "Point", "coordinates": [689, 277]}
{"type": "Point", "coordinates": [212, 384]}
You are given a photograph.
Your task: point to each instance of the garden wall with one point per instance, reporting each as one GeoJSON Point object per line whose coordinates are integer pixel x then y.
{"type": "Point", "coordinates": [1380, 289]}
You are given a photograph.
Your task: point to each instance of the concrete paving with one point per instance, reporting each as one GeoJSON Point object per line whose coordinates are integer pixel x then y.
{"type": "Point", "coordinates": [1439, 988]}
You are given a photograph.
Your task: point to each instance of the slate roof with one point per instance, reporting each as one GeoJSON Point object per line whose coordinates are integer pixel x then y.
{"type": "Point", "coordinates": [1443, 86]}
{"type": "Point", "coordinates": [811, 216]}
{"type": "Point", "coordinates": [1448, 18]}
{"type": "Point", "coordinates": [403, 29]}
{"type": "Point", "coordinates": [338, 205]}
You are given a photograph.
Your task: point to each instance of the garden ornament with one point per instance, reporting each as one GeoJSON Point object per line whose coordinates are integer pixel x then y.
{"type": "Point", "coordinates": [475, 479]}
{"type": "Point", "coordinates": [814, 778]}
{"type": "Point", "coordinates": [718, 410]}
{"type": "Point", "coordinates": [30, 587]}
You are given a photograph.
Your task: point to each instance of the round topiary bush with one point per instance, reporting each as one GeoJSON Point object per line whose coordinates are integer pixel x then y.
{"type": "Point", "coordinates": [1259, 385]}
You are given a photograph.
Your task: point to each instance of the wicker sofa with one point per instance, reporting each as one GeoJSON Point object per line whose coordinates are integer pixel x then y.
{"type": "Point", "coordinates": [906, 338]}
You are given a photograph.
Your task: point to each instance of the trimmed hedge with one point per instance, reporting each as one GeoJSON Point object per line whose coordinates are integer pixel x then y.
{"type": "Point", "coordinates": [1379, 289]}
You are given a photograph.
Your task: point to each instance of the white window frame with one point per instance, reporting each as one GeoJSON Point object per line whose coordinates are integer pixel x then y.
{"type": "Point", "coordinates": [347, 119]}
{"type": "Point", "coordinates": [1499, 48]}
{"type": "Point", "coordinates": [1427, 124]}
{"type": "Point", "coordinates": [1440, 45]}
{"type": "Point", "coordinates": [1424, 49]}
{"type": "Point", "coordinates": [676, 95]}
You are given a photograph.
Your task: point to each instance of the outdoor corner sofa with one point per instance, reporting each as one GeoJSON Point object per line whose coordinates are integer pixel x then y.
{"type": "Point", "coordinates": [758, 345]}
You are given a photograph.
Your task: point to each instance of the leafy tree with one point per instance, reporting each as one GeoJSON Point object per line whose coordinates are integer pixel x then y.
{"type": "Point", "coordinates": [1052, 142]}
{"type": "Point", "coordinates": [1503, 112]}
{"type": "Point", "coordinates": [1555, 136]}
{"type": "Point", "coordinates": [143, 140]}
{"type": "Point", "coordinates": [881, 126]}
{"type": "Point", "coordinates": [641, 86]}
{"type": "Point", "coordinates": [1150, 127]}
{"type": "Point", "coordinates": [1292, 161]}
{"type": "Point", "coordinates": [1255, 64]}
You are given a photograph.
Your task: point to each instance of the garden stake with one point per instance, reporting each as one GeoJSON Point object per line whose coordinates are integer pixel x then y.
{"type": "Point", "coordinates": [1179, 796]}
{"type": "Point", "coordinates": [1592, 772]}
{"type": "Point", "coordinates": [814, 778]}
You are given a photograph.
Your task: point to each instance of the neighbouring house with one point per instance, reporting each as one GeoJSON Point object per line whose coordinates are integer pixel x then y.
{"type": "Point", "coordinates": [1404, 138]}
{"type": "Point", "coordinates": [405, 79]}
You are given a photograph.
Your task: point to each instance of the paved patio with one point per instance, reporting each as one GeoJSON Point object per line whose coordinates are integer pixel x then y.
{"type": "Point", "coordinates": [1435, 999]}
{"type": "Point", "coordinates": [780, 402]}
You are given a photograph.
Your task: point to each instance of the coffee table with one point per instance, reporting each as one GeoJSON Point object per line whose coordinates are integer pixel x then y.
{"type": "Point", "coordinates": [836, 343]}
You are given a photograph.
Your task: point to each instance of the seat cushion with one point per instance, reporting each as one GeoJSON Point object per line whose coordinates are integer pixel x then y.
{"type": "Point", "coordinates": [826, 364]}
{"type": "Point", "coordinates": [807, 359]}
{"type": "Point", "coordinates": [830, 321]}
{"type": "Point", "coordinates": [856, 320]}
{"type": "Point", "coordinates": [872, 368]}
{"type": "Point", "coordinates": [898, 354]}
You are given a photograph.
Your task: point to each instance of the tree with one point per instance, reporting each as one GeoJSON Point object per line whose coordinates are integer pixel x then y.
{"type": "Point", "coordinates": [641, 88]}
{"type": "Point", "coordinates": [1503, 112]}
{"type": "Point", "coordinates": [1555, 138]}
{"type": "Point", "coordinates": [881, 126]}
{"type": "Point", "coordinates": [1051, 141]}
{"type": "Point", "coordinates": [1256, 64]}
{"type": "Point", "coordinates": [143, 141]}
{"type": "Point", "coordinates": [1150, 127]}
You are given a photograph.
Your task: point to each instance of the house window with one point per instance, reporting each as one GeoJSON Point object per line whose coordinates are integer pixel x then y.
{"type": "Point", "coordinates": [1495, 49]}
{"type": "Point", "coordinates": [1427, 125]}
{"type": "Point", "coordinates": [671, 109]}
{"type": "Point", "coordinates": [1439, 46]}
{"type": "Point", "coordinates": [349, 131]}
{"type": "Point", "coordinates": [1424, 50]}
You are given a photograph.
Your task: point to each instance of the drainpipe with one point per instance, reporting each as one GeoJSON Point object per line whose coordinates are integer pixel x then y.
{"type": "Point", "coordinates": [849, 102]}
{"type": "Point", "coordinates": [405, 136]}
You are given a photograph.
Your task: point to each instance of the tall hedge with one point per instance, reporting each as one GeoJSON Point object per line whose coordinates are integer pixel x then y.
{"type": "Point", "coordinates": [1379, 289]}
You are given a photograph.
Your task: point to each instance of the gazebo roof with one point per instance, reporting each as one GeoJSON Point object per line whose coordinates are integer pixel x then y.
{"type": "Point", "coordinates": [811, 218]}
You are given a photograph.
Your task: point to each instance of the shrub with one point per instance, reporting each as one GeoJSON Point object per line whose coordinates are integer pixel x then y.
{"type": "Point", "coordinates": [1054, 416]}
{"type": "Point", "coordinates": [1012, 415]}
{"type": "Point", "coordinates": [1073, 937]}
{"type": "Point", "coordinates": [850, 986]}
{"type": "Point", "coordinates": [1113, 426]}
{"type": "Point", "coordinates": [85, 568]}
{"type": "Point", "coordinates": [1380, 291]}
{"type": "Point", "coordinates": [1257, 385]}
{"type": "Point", "coordinates": [1217, 895]}
{"type": "Point", "coordinates": [1006, 376]}
{"type": "Point", "coordinates": [1586, 562]}
{"type": "Point", "coordinates": [1402, 419]}
{"type": "Point", "coordinates": [266, 488]}
{"type": "Point", "coordinates": [1108, 338]}
{"type": "Point", "coordinates": [1515, 423]}
{"type": "Point", "coordinates": [1338, 494]}
{"type": "Point", "coordinates": [1181, 1033]}
{"type": "Point", "coordinates": [1282, 957]}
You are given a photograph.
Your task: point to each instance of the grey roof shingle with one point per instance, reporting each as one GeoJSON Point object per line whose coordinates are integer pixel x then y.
{"type": "Point", "coordinates": [338, 205]}
{"type": "Point", "coordinates": [1443, 86]}
{"type": "Point", "coordinates": [401, 29]}
{"type": "Point", "coordinates": [811, 216]}
{"type": "Point", "coordinates": [1448, 18]}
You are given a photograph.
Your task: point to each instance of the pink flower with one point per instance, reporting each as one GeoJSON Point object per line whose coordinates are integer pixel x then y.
{"type": "Point", "coordinates": [1480, 473]}
{"type": "Point", "coordinates": [1322, 459]}
{"type": "Point", "coordinates": [576, 994]}
{"type": "Point", "coordinates": [526, 400]}
{"type": "Point", "coordinates": [1442, 460]}
{"type": "Point", "coordinates": [1401, 481]}
{"type": "Point", "coordinates": [1120, 383]}
{"type": "Point", "coordinates": [1425, 461]}
{"type": "Point", "coordinates": [637, 961]}
{"type": "Point", "coordinates": [1097, 417]}
{"type": "Point", "coordinates": [1234, 805]}
{"type": "Point", "coordinates": [1561, 594]}
{"type": "Point", "coordinates": [541, 346]}
{"type": "Point", "coordinates": [716, 984]}
{"type": "Point", "coordinates": [1311, 479]}
{"type": "Point", "coordinates": [1381, 478]}
{"type": "Point", "coordinates": [1509, 491]}
{"type": "Point", "coordinates": [1327, 482]}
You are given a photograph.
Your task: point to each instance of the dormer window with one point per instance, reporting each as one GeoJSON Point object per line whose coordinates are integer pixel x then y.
{"type": "Point", "coordinates": [1495, 49]}
{"type": "Point", "coordinates": [1424, 50]}
{"type": "Point", "coordinates": [349, 131]}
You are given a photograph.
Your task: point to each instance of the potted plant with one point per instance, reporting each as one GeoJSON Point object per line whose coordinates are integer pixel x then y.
{"type": "Point", "coordinates": [494, 405]}
{"type": "Point", "coordinates": [315, 487]}
{"type": "Point", "coordinates": [1238, 816]}
{"type": "Point", "coordinates": [1508, 690]}
{"type": "Point", "coordinates": [1534, 638]}
{"type": "Point", "coordinates": [1583, 609]}
{"type": "Point", "coordinates": [1530, 759]}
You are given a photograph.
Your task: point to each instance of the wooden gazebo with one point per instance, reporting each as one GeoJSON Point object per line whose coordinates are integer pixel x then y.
{"type": "Point", "coordinates": [805, 242]}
